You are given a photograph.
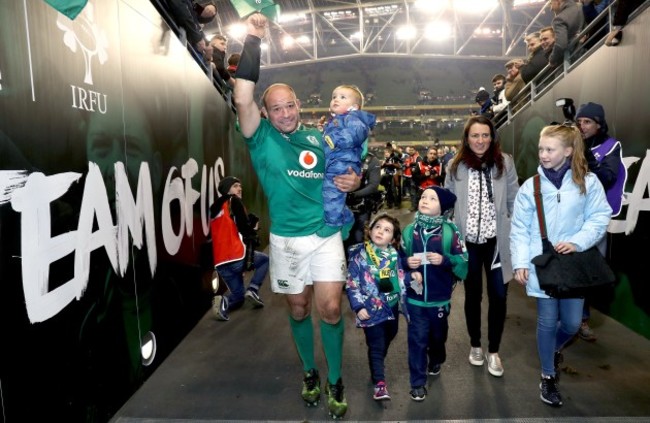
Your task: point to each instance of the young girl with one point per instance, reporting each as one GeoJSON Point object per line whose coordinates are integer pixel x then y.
{"type": "Point", "coordinates": [576, 213]}
{"type": "Point", "coordinates": [437, 254]}
{"type": "Point", "coordinates": [375, 288]}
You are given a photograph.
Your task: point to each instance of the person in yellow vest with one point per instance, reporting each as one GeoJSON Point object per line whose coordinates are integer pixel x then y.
{"type": "Point", "coordinates": [234, 238]}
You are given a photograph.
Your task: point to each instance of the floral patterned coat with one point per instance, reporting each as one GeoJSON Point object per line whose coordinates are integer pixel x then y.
{"type": "Point", "coordinates": [362, 290]}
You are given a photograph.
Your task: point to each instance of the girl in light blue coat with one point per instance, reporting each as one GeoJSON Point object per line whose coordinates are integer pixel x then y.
{"type": "Point", "coordinates": [577, 214]}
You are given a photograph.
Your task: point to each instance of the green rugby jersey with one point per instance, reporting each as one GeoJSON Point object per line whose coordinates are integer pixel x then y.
{"type": "Point", "coordinates": [291, 168]}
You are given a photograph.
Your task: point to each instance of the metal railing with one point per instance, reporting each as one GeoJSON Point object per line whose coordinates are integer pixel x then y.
{"type": "Point", "coordinates": [591, 38]}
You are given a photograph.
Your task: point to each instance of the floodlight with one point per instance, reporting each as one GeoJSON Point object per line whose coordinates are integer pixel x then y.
{"type": "Point", "coordinates": [438, 31]}
{"type": "Point", "coordinates": [406, 32]}
{"type": "Point", "coordinates": [237, 30]}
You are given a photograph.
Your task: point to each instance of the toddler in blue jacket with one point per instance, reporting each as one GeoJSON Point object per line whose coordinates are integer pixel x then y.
{"type": "Point", "coordinates": [344, 135]}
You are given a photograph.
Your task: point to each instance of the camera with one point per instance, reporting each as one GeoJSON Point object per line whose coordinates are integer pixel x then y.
{"type": "Point", "coordinates": [568, 110]}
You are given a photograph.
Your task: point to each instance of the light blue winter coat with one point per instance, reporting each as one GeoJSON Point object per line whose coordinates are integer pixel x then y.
{"type": "Point", "coordinates": [570, 217]}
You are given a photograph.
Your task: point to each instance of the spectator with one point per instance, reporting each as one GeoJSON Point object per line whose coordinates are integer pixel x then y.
{"type": "Point", "coordinates": [514, 81]}
{"type": "Point", "coordinates": [233, 61]}
{"type": "Point", "coordinates": [190, 17]}
{"type": "Point", "coordinates": [234, 238]}
{"type": "Point", "coordinates": [623, 11]}
{"type": "Point", "coordinates": [591, 9]}
{"type": "Point", "coordinates": [536, 60]}
{"type": "Point", "coordinates": [483, 100]}
{"type": "Point", "coordinates": [547, 39]}
{"type": "Point", "coordinates": [567, 23]}
{"type": "Point", "coordinates": [219, 44]}
{"type": "Point", "coordinates": [499, 102]}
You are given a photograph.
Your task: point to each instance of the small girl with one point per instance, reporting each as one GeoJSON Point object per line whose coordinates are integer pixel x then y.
{"type": "Point", "coordinates": [436, 252]}
{"type": "Point", "coordinates": [375, 288]}
{"type": "Point", "coordinates": [577, 214]}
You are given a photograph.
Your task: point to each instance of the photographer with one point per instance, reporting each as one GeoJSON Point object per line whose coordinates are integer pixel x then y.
{"type": "Point", "coordinates": [234, 239]}
{"type": "Point", "coordinates": [412, 172]}
{"type": "Point", "coordinates": [391, 164]}
{"type": "Point", "coordinates": [366, 200]}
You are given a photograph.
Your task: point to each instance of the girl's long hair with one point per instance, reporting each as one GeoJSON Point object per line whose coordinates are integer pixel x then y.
{"type": "Point", "coordinates": [570, 136]}
{"type": "Point", "coordinates": [492, 156]}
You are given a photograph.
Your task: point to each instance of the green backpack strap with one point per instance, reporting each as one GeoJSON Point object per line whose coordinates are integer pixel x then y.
{"type": "Point", "coordinates": [447, 236]}
{"type": "Point", "coordinates": [459, 263]}
{"type": "Point", "coordinates": [407, 239]}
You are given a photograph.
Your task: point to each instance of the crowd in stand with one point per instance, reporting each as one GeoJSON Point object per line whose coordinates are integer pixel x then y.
{"type": "Point", "coordinates": [549, 47]}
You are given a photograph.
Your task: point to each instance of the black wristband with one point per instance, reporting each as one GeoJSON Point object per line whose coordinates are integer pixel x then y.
{"type": "Point", "coordinates": [249, 62]}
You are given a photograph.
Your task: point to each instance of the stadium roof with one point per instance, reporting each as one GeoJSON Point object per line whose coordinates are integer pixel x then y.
{"type": "Point", "coordinates": [314, 30]}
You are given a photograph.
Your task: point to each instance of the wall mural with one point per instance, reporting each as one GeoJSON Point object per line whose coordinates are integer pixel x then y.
{"type": "Point", "coordinates": [112, 143]}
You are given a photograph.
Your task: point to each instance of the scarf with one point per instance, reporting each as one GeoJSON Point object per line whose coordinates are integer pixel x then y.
{"type": "Point", "coordinates": [556, 176]}
{"type": "Point", "coordinates": [428, 222]}
{"type": "Point", "coordinates": [384, 271]}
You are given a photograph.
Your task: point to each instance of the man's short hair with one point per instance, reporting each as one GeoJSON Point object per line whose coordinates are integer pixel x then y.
{"type": "Point", "coordinates": [219, 37]}
{"type": "Point", "coordinates": [514, 63]}
{"type": "Point", "coordinates": [531, 36]}
{"type": "Point", "coordinates": [498, 77]}
{"type": "Point", "coordinates": [547, 29]}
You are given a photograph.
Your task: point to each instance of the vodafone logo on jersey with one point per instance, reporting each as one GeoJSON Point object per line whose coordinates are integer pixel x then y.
{"type": "Point", "coordinates": [308, 160]}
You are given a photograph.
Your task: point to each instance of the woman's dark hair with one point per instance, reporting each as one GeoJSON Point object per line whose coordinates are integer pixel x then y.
{"type": "Point", "coordinates": [492, 156]}
{"type": "Point", "coordinates": [397, 232]}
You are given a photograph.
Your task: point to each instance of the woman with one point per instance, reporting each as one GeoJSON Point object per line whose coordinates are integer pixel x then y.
{"type": "Point", "coordinates": [485, 182]}
{"type": "Point", "coordinates": [577, 214]}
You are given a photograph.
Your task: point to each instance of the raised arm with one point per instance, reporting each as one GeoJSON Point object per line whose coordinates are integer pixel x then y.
{"type": "Point", "coordinates": [247, 74]}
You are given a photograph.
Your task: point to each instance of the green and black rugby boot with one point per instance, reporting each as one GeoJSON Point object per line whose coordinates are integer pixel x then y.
{"type": "Point", "coordinates": [311, 388]}
{"type": "Point", "coordinates": [336, 402]}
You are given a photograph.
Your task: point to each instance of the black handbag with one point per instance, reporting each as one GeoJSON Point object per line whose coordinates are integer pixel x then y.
{"type": "Point", "coordinates": [567, 275]}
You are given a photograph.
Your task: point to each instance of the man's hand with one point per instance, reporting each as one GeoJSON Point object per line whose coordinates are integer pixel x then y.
{"type": "Point", "coordinates": [347, 182]}
{"type": "Point", "coordinates": [257, 25]}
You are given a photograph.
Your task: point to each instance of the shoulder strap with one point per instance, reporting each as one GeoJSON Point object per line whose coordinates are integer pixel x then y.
{"type": "Point", "coordinates": [447, 235]}
{"type": "Point", "coordinates": [539, 204]}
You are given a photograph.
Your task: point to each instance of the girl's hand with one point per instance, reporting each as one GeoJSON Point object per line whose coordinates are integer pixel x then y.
{"type": "Point", "coordinates": [565, 247]}
{"type": "Point", "coordinates": [435, 258]}
{"type": "Point", "coordinates": [414, 262]}
{"type": "Point", "coordinates": [521, 276]}
{"type": "Point", "coordinates": [363, 314]}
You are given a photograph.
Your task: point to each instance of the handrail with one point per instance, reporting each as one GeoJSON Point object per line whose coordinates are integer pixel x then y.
{"type": "Point", "coordinates": [180, 33]}
{"type": "Point", "coordinates": [548, 76]}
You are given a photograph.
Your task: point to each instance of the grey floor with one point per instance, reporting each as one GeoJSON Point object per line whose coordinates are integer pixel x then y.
{"type": "Point", "coordinates": [247, 369]}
